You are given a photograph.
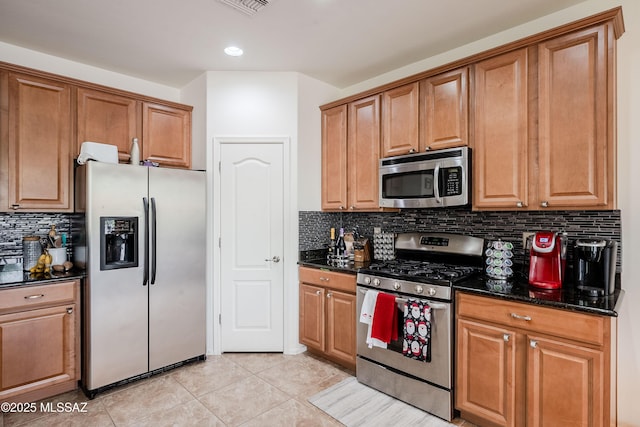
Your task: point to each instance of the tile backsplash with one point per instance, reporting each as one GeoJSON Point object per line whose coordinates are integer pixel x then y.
{"type": "Point", "coordinates": [15, 225]}
{"type": "Point", "coordinates": [314, 226]}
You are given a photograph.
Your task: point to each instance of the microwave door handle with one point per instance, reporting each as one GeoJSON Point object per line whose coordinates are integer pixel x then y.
{"type": "Point", "coordinates": [436, 183]}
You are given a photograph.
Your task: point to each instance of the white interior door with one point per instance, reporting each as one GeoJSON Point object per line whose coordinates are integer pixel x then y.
{"type": "Point", "coordinates": [251, 246]}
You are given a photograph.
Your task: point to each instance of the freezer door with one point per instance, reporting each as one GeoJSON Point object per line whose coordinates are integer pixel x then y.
{"type": "Point", "coordinates": [177, 276]}
{"type": "Point", "coordinates": [116, 300]}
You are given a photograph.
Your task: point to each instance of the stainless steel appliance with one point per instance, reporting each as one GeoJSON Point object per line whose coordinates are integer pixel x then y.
{"type": "Point", "coordinates": [434, 179]}
{"type": "Point", "coordinates": [142, 242]}
{"type": "Point", "coordinates": [425, 268]}
{"type": "Point", "coordinates": [594, 266]}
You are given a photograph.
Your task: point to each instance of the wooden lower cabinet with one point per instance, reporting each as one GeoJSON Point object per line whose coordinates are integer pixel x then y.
{"type": "Point", "coordinates": [39, 341]}
{"type": "Point", "coordinates": [328, 315]}
{"type": "Point", "coordinates": [513, 370]}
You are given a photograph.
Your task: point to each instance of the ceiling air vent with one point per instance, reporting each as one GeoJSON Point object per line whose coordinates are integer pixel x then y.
{"type": "Point", "coordinates": [250, 7]}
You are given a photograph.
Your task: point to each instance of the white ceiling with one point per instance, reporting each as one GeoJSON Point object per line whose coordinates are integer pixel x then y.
{"type": "Point", "coordinates": [341, 42]}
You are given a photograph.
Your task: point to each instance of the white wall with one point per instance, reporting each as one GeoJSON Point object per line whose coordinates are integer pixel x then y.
{"type": "Point", "coordinates": [628, 170]}
{"type": "Point", "coordinates": [52, 64]}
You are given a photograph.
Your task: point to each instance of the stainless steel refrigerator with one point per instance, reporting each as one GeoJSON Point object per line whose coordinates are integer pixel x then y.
{"type": "Point", "coordinates": [141, 238]}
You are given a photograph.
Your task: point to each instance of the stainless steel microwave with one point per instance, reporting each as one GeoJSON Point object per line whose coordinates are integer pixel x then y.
{"type": "Point", "coordinates": [427, 180]}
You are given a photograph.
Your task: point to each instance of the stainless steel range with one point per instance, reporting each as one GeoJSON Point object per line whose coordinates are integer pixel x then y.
{"type": "Point", "coordinates": [425, 267]}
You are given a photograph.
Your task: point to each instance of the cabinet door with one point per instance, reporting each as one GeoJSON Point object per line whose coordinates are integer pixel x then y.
{"type": "Point", "coordinates": [108, 119]}
{"type": "Point", "coordinates": [400, 120]}
{"type": "Point", "coordinates": [166, 135]}
{"type": "Point", "coordinates": [38, 145]}
{"type": "Point", "coordinates": [364, 154]}
{"type": "Point", "coordinates": [565, 384]}
{"type": "Point", "coordinates": [334, 158]}
{"type": "Point", "coordinates": [576, 155]}
{"type": "Point", "coordinates": [501, 139]}
{"type": "Point", "coordinates": [445, 109]}
{"type": "Point", "coordinates": [312, 319]}
{"type": "Point", "coordinates": [486, 373]}
{"type": "Point", "coordinates": [37, 349]}
{"type": "Point", "coordinates": [341, 326]}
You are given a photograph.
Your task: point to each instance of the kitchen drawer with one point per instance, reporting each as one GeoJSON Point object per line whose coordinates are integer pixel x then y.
{"type": "Point", "coordinates": [25, 297]}
{"type": "Point", "coordinates": [580, 327]}
{"type": "Point", "coordinates": [328, 279]}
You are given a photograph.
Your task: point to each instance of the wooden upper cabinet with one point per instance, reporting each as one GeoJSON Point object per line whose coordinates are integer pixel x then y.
{"type": "Point", "coordinates": [36, 144]}
{"type": "Point", "coordinates": [108, 119]}
{"type": "Point", "coordinates": [400, 119]}
{"type": "Point", "coordinates": [576, 140]}
{"type": "Point", "coordinates": [166, 135]}
{"type": "Point", "coordinates": [334, 158]}
{"type": "Point", "coordinates": [445, 110]}
{"type": "Point", "coordinates": [501, 137]}
{"type": "Point", "coordinates": [363, 153]}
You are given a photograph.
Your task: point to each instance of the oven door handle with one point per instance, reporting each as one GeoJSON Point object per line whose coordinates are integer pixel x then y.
{"type": "Point", "coordinates": [434, 305]}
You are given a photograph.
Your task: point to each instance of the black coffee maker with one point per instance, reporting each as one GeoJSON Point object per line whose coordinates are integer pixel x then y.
{"type": "Point", "coordinates": [594, 266]}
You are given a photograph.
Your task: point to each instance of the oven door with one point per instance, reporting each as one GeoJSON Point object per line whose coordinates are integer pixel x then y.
{"type": "Point", "coordinates": [439, 370]}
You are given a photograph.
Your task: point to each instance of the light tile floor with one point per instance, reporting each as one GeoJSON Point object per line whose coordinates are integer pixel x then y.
{"type": "Point", "coordinates": [235, 389]}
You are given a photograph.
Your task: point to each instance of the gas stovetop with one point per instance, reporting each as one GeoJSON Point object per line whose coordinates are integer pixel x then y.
{"type": "Point", "coordinates": [426, 264]}
{"type": "Point", "coordinates": [423, 271]}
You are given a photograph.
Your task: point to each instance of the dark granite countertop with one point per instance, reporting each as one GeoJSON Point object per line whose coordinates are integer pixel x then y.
{"type": "Point", "coordinates": [517, 289]}
{"type": "Point", "coordinates": [11, 275]}
{"type": "Point", "coordinates": [567, 297]}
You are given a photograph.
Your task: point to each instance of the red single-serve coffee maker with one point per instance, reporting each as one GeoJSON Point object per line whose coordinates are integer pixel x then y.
{"type": "Point", "coordinates": [548, 257]}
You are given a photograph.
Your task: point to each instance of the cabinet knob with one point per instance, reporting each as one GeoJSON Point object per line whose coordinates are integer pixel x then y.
{"type": "Point", "coordinates": [352, 207]}
{"type": "Point", "coordinates": [412, 150]}
{"type": "Point", "coordinates": [544, 204]}
{"type": "Point", "coordinates": [533, 343]}
{"type": "Point", "coordinates": [69, 310]}
{"type": "Point", "coordinates": [427, 148]}
{"type": "Point", "coordinates": [506, 337]}
{"type": "Point", "coordinates": [519, 204]}
{"type": "Point", "coordinates": [318, 292]}
{"type": "Point", "coordinates": [15, 207]}
{"type": "Point", "coordinates": [341, 208]}
{"type": "Point", "coordinates": [324, 279]}
{"type": "Point", "coordinates": [329, 295]}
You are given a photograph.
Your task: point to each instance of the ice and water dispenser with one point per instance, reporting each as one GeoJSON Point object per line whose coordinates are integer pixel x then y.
{"type": "Point", "coordinates": [118, 242]}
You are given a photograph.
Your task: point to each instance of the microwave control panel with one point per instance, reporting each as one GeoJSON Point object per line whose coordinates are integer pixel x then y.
{"type": "Point", "coordinates": [451, 179]}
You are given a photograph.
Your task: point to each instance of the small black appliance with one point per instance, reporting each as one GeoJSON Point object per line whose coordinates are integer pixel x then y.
{"type": "Point", "coordinates": [594, 266]}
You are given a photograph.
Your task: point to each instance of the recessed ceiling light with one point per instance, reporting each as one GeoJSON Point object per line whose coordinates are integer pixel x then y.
{"type": "Point", "coordinates": [233, 51]}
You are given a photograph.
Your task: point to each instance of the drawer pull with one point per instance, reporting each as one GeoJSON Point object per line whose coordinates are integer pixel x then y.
{"type": "Point", "coordinates": [517, 316]}
{"type": "Point", "coordinates": [34, 296]}
{"type": "Point", "coordinates": [69, 310]}
{"type": "Point", "coordinates": [506, 337]}
{"type": "Point", "coordinates": [533, 343]}
{"type": "Point", "coordinates": [324, 279]}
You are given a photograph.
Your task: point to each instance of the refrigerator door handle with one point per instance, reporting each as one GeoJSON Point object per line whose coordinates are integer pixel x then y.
{"type": "Point", "coordinates": [146, 241]}
{"type": "Point", "coordinates": [153, 240]}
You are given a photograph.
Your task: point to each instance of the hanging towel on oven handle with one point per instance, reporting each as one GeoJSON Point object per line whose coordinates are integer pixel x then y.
{"type": "Point", "coordinates": [384, 325]}
{"type": "Point", "coordinates": [417, 330]}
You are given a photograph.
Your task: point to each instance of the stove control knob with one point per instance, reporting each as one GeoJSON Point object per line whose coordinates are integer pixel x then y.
{"type": "Point", "coordinates": [396, 285]}
{"type": "Point", "coordinates": [367, 280]}
{"type": "Point", "coordinates": [431, 292]}
{"type": "Point", "coordinates": [376, 282]}
{"type": "Point", "coordinates": [419, 289]}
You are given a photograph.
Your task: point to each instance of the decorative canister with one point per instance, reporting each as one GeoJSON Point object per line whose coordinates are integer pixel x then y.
{"type": "Point", "coordinates": [31, 251]}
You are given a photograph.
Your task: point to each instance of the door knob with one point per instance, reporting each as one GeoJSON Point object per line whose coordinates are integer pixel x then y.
{"type": "Point", "coordinates": [274, 259]}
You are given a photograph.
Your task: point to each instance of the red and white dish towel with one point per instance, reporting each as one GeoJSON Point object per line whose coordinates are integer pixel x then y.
{"type": "Point", "coordinates": [417, 330]}
{"type": "Point", "coordinates": [379, 312]}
